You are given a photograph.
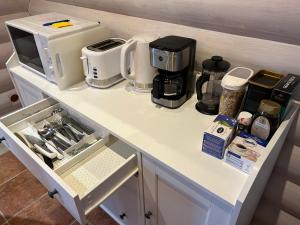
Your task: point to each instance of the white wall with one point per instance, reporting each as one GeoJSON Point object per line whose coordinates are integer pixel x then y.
{"type": "Point", "coordinates": [239, 50]}
{"type": "Point", "coordinates": [268, 19]}
{"type": "Point", "coordinates": [9, 9]}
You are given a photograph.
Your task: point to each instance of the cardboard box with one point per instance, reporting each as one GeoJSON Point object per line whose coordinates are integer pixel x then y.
{"type": "Point", "coordinates": [283, 91]}
{"type": "Point", "coordinates": [244, 151]}
{"type": "Point", "coordinates": [218, 136]}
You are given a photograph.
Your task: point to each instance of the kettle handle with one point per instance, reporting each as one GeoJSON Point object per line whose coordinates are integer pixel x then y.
{"type": "Point", "coordinates": [125, 59]}
{"type": "Point", "coordinates": [201, 80]}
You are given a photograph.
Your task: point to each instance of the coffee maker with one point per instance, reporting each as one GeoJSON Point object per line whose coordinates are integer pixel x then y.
{"type": "Point", "coordinates": [174, 57]}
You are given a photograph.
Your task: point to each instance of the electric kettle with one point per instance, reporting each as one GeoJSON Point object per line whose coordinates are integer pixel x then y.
{"type": "Point", "coordinates": [136, 54]}
{"type": "Point", "coordinates": [208, 96]}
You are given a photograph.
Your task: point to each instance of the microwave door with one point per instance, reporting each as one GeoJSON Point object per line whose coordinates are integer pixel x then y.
{"type": "Point", "coordinates": [26, 49]}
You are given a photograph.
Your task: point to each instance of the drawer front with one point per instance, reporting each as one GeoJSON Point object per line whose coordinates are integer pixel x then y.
{"type": "Point", "coordinates": [110, 185]}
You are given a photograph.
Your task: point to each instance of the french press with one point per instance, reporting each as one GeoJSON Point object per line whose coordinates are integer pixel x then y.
{"type": "Point", "coordinates": [208, 85]}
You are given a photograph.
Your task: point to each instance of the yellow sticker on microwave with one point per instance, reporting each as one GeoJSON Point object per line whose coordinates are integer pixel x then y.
{"type": "Point", "coordinates": [62, 24]}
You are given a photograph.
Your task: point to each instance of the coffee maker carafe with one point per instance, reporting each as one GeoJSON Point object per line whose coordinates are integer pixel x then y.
{"type": "Point", "coordinates": [174, 58]}
{"type": "Point", "coordinates": [209, 95]}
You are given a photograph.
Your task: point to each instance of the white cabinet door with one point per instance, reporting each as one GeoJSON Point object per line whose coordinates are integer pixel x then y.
{"type": "Point", "coordinates": [123, 204]}
{"type": "Point", "coordinates": [170, 200]}
{"type": "Point", "coordinates": [28, 94]}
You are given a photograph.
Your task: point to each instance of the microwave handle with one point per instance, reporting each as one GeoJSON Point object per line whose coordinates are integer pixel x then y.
{"type": "Point", "coordinates": [59, 65]}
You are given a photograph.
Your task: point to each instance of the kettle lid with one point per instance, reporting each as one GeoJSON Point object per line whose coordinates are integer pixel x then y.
{"type": "Point", "coordinates": [216, 64]}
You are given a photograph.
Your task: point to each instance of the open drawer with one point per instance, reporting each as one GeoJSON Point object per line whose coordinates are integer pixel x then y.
{"type": "Point", "coordinates": [81, 182]}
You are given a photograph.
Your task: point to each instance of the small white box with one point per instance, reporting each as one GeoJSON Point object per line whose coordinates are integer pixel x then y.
{"type": "Point", "coordinates": [244, 151]}
{"type": "Point", "coordinates": [218, 135]}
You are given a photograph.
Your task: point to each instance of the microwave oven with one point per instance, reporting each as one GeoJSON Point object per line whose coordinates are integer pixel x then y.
{"type": "Point", "coordinates": [50, 45]}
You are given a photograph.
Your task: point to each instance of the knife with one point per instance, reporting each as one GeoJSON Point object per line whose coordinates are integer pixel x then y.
{"type": "Point", "coordinates": [43, 146]}
{"type": "Point", "coordinates": [40, 146]}
{"type": "Point", "coordinates": [47, 160]}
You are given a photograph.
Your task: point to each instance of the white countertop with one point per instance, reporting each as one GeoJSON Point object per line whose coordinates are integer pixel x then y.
{"type": "Point", "coordinates": [172, 136]}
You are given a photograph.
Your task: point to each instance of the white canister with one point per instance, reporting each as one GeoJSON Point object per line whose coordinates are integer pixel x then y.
{"type": "Point", "coordinates": [234, 85]}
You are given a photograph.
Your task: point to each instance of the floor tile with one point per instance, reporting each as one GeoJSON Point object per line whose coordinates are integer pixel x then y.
{"type": "Point", "coordinates": [10, 167]}
{"type": "Point", "coordinates": [46, 211]}
{"type": "Point", "coordinates": [99, 217]}
{"type": "Point", "coordinates": [18, 193]}
{"type": "Point", "coordinates": [2, 220]}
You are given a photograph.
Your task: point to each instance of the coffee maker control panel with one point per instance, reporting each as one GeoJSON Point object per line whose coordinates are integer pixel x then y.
{"type": "Point", "coordinates": [170, 61]}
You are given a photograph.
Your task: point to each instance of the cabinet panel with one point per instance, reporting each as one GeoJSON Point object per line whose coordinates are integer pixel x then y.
{"type": "Point", "coordinates": [123, 204]}
{"type": "Point", "coordinates": [169, 201]}
{"type": "Point", "coordinates": [176, 208]}
{"type": "Point", "coordinates": [28, 94]}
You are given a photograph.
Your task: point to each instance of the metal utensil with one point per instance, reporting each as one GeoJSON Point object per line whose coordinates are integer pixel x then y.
{"type": "Point", "coordinates": [70, 132]}
{"type": "Point", "coordinates": [43, 142]}
{"type": "Point", "coordinates": [48, 133]}
{"type": "Point", "coordinates": [74, 124]}
{"type": "Point", "coordinates": [47, 160]}
{"type": "Point", "coordinates": [64, 130]}
{"type": "Point", "coordinates": [40, 146]}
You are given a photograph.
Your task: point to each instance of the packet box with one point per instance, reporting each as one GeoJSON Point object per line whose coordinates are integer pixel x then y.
{"type": "Point", "coordinates": [244, 151]}
{"type": "Point", "coordinates": [283, 91]}
{"type": "Point", "coordinates": [218, 135]}
{"type": "Point", "coordinates": [286, 89]}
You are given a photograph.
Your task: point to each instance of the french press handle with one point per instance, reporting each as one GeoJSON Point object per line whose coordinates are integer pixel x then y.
{"type": "Point", "coordinates": [201, 80]}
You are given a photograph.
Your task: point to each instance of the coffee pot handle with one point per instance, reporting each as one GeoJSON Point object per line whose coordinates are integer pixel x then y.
{"type": "Point", "coordinates": [158, 87]}
{"type": "Point", "coordinates": [201, 80]}
{"type": "Point", "coordinates": [129, 46]}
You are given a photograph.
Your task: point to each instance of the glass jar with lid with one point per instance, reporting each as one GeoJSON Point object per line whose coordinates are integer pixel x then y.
{"type": "Point", "coordinates": [267, 119]}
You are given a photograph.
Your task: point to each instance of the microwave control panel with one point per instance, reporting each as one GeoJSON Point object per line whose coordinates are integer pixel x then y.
{"type": "Point", "coordinates": [46, 58]}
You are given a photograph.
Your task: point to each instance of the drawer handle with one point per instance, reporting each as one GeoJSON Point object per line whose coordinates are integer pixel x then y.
{"type": "Point", "coordinates": [2, 139]}
{"type": "Point", "coordinates": [122, 216]}
{"type": "Point", "coordinates": [148, 215]}
{"type": "Point", "coordinates": [52, 193]}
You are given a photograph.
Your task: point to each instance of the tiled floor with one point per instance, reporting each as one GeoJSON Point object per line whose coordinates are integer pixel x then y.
{"type": "Point", "coordinates": [23, 200]}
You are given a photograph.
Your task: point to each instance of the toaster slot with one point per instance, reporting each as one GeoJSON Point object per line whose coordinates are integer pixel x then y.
{"type": "Point", "coordinates": [106, 45]}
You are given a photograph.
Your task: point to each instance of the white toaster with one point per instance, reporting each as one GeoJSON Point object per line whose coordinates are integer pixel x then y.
{"type": "Point", "coordinates": [101, 63]}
